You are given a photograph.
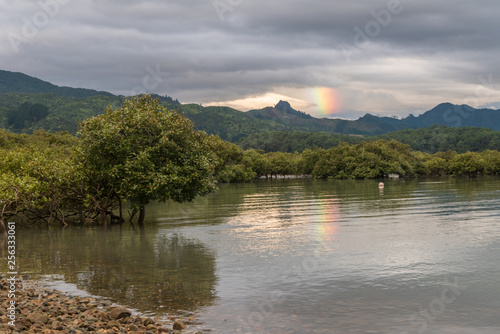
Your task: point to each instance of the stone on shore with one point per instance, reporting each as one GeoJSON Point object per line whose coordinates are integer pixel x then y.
{"type": "Point", "coordinates": [178, 325]}
{"type": "Point", "coordinates": [37, 317]}
{"type": "Point", "coordinates": [119, 312]}
{"type": "Point", "coordinates": [40, 310]}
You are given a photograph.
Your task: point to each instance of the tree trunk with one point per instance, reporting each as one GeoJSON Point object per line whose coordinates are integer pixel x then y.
{"type": "Point", "coordinates": [62, 217]}
{"type": "Point", "coordinates": [104, 216]}
{"type": "Point", "coordinates": [121, 210]}
{"type": "Point", "coordinates": [142, 215]}
{"type": "Point", "coordinates": [3, 229]}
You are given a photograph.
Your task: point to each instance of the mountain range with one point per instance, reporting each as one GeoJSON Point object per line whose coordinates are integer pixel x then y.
{"type": "Point", "coordinates": [28, 104]}
{"type": "Point", "coordinates": [15, 82]}
{"type": "Point", "coordinates": [444, 114]}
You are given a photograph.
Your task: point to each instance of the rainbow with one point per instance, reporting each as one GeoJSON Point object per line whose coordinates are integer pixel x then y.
{"type": "Point", "coordinates": [327, 100]}
{"type": "Point", "coordinates": [327, 221]}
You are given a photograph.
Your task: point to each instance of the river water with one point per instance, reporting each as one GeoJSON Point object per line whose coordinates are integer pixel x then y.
{"type": "Point", "coordinates": [298, 256]}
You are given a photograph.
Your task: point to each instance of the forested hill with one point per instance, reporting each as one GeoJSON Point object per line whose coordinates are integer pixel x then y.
{"type": "Point", "coordinates": [228, 123]}
{"type": "Point", "coordinates": [369, 125]}
{"type": "Point", "coordinates": [25, 113]}
{"type": "Point", "coordinates": [454, 116]}
{"type": "Point", "coordinates": [15, 82]}
{"type": "Point", "coordinates": [430, 140]}
{"type": "Point", "coordinates": [28, 104]}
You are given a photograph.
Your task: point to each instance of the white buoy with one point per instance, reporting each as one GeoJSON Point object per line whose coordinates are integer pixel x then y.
{"type": "Point", "coordinates": [381, 185]}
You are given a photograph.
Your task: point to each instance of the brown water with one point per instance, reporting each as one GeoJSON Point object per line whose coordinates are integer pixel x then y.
{"type": "Point", "coordinates": [299, 256]}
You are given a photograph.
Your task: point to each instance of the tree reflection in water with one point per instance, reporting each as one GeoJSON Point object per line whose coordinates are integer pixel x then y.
{"type": "Point", "coordinates": [137, 268]}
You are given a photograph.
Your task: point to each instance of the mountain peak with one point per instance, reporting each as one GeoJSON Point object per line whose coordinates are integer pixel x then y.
{"type": "Point", "coordinates": [443, 106]}
{"type": "Point", "coordinates": [284, 106]}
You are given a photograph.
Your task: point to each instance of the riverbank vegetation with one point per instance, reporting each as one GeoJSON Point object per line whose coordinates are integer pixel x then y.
{"type": "Point", "coordinates": [141, 152]}
{"type": "Point", "coordinates": [429, 140]}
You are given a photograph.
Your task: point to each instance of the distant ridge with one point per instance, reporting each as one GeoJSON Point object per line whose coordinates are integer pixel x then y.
{"type": "Point", "coordinates": [66, 106]}
{"type": "Point", "coordinates": [443, 114]}
{"type": "Point", "coordinates": [15, 82]}
{"type": "Point", "coordinates": [453, 115]}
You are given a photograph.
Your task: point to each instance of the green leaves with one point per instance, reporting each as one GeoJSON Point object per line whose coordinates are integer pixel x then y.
{"type": "Point", "coordinates": [141, 152]}
{"type": "Point", "coordinates": [367, 160]}
{"type": "Point", "coordinates": [36, 182]}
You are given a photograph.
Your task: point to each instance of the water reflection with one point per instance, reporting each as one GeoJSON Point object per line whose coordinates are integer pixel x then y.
{"type": "Point", "coordinates": [343, 258]}
{"type": "Point", "coordinates": [142, 269]}
{"type": "Point", "coordinates": [212, 209]}
{"type": "Point", "coordinates": [328, 220]}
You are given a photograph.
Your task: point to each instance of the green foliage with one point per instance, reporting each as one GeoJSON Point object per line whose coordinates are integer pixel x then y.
{"type": "Point", "coordinates": [296, 141]}
{"type": "Point", "coordinates": [470, 164]}
{"type": "Point", "coordinates": [14, 82]}
{"type": "Point", "coordinates": [36, 178]}
{"type": "Point", "coordinates": [257, 162]}
{"type": "Point", "coordinates": [59, 144]}
{"type": "Point", "coordinates": [28, 104]}
{"type": "Point", "coordinates": [430, 140]}
{"type": "Point", "coordinates": [236, 173]}
{"type": "Point", "coordinates": [26, 115]}
{"type": "Point", "coordinates": [442, 138]}
{"type": "Point", "coordinates": [308, 160]}
{"type": "Point", "coordinates": [141, 152]}
{"type": "Point", "coordinates": [227, 123]}
{"type": "Point", "coordinates": [491, 162]}
{"type": "Point", "coordinates": [67, 106]}
{"type": "Point", "coordinates": [233, 164]}
{"type": "Point", "coordinates": [365, 160]}
{"type": "Point", "coordinates": [283, 114]}
{"type": "Point", "coordinates": [62, 113]}
{"type": "Point", "coordinates": [281, 163]}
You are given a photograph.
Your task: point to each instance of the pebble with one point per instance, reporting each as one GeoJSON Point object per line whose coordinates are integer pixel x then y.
{"type": "Point", "coordinates": [48, 311]}
{"type": "Point", "coordinates": [178, 325]}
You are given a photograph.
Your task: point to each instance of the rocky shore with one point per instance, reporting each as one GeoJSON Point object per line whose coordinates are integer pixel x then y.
{"type": "Point", "coordinates": [40, 310]}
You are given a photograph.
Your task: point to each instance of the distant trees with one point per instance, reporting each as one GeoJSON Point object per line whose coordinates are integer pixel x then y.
{"type": "Point", "coordinates": [282, 163]}
{"type": "Point", "coordinates": [295, 141]}
{"type": "Point", "coordinates": [26, 114]}
{"type": "Point", "coordinates": [470, 164]}
{"type": "Point", "coordinates": [442, 138]}
{"type": "Point", "coordinates": [429, 140]}
{"type": "Point", "coordinates": [365, 160]}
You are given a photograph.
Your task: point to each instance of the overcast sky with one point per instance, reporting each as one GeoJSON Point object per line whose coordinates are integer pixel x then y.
{"type": "Point", "coordinates": [385, 57]}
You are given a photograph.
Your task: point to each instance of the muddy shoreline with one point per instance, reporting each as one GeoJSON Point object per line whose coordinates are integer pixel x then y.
{"type": "Point", "coordinates": [29, 307]}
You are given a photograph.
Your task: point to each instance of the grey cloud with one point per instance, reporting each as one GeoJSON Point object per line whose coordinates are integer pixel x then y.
{"type": "Point", "coordinates": [261, 46]}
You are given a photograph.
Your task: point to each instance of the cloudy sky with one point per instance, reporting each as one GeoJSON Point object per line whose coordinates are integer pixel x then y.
{"type": "Point", "coordinates": [330, 58]}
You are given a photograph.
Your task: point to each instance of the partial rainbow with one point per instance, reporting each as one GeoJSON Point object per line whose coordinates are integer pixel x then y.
{"type": "Point", "coordinates": [327, 220]}
{"type": "Point", "coordinates": [327, 100]}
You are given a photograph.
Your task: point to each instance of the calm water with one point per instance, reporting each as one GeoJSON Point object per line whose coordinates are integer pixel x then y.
{"type": "Point", "coordinates": [299, 256]}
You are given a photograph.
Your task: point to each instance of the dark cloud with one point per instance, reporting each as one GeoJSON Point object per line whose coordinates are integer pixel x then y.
{"type": "Point", "coordinates": [408, 56]}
